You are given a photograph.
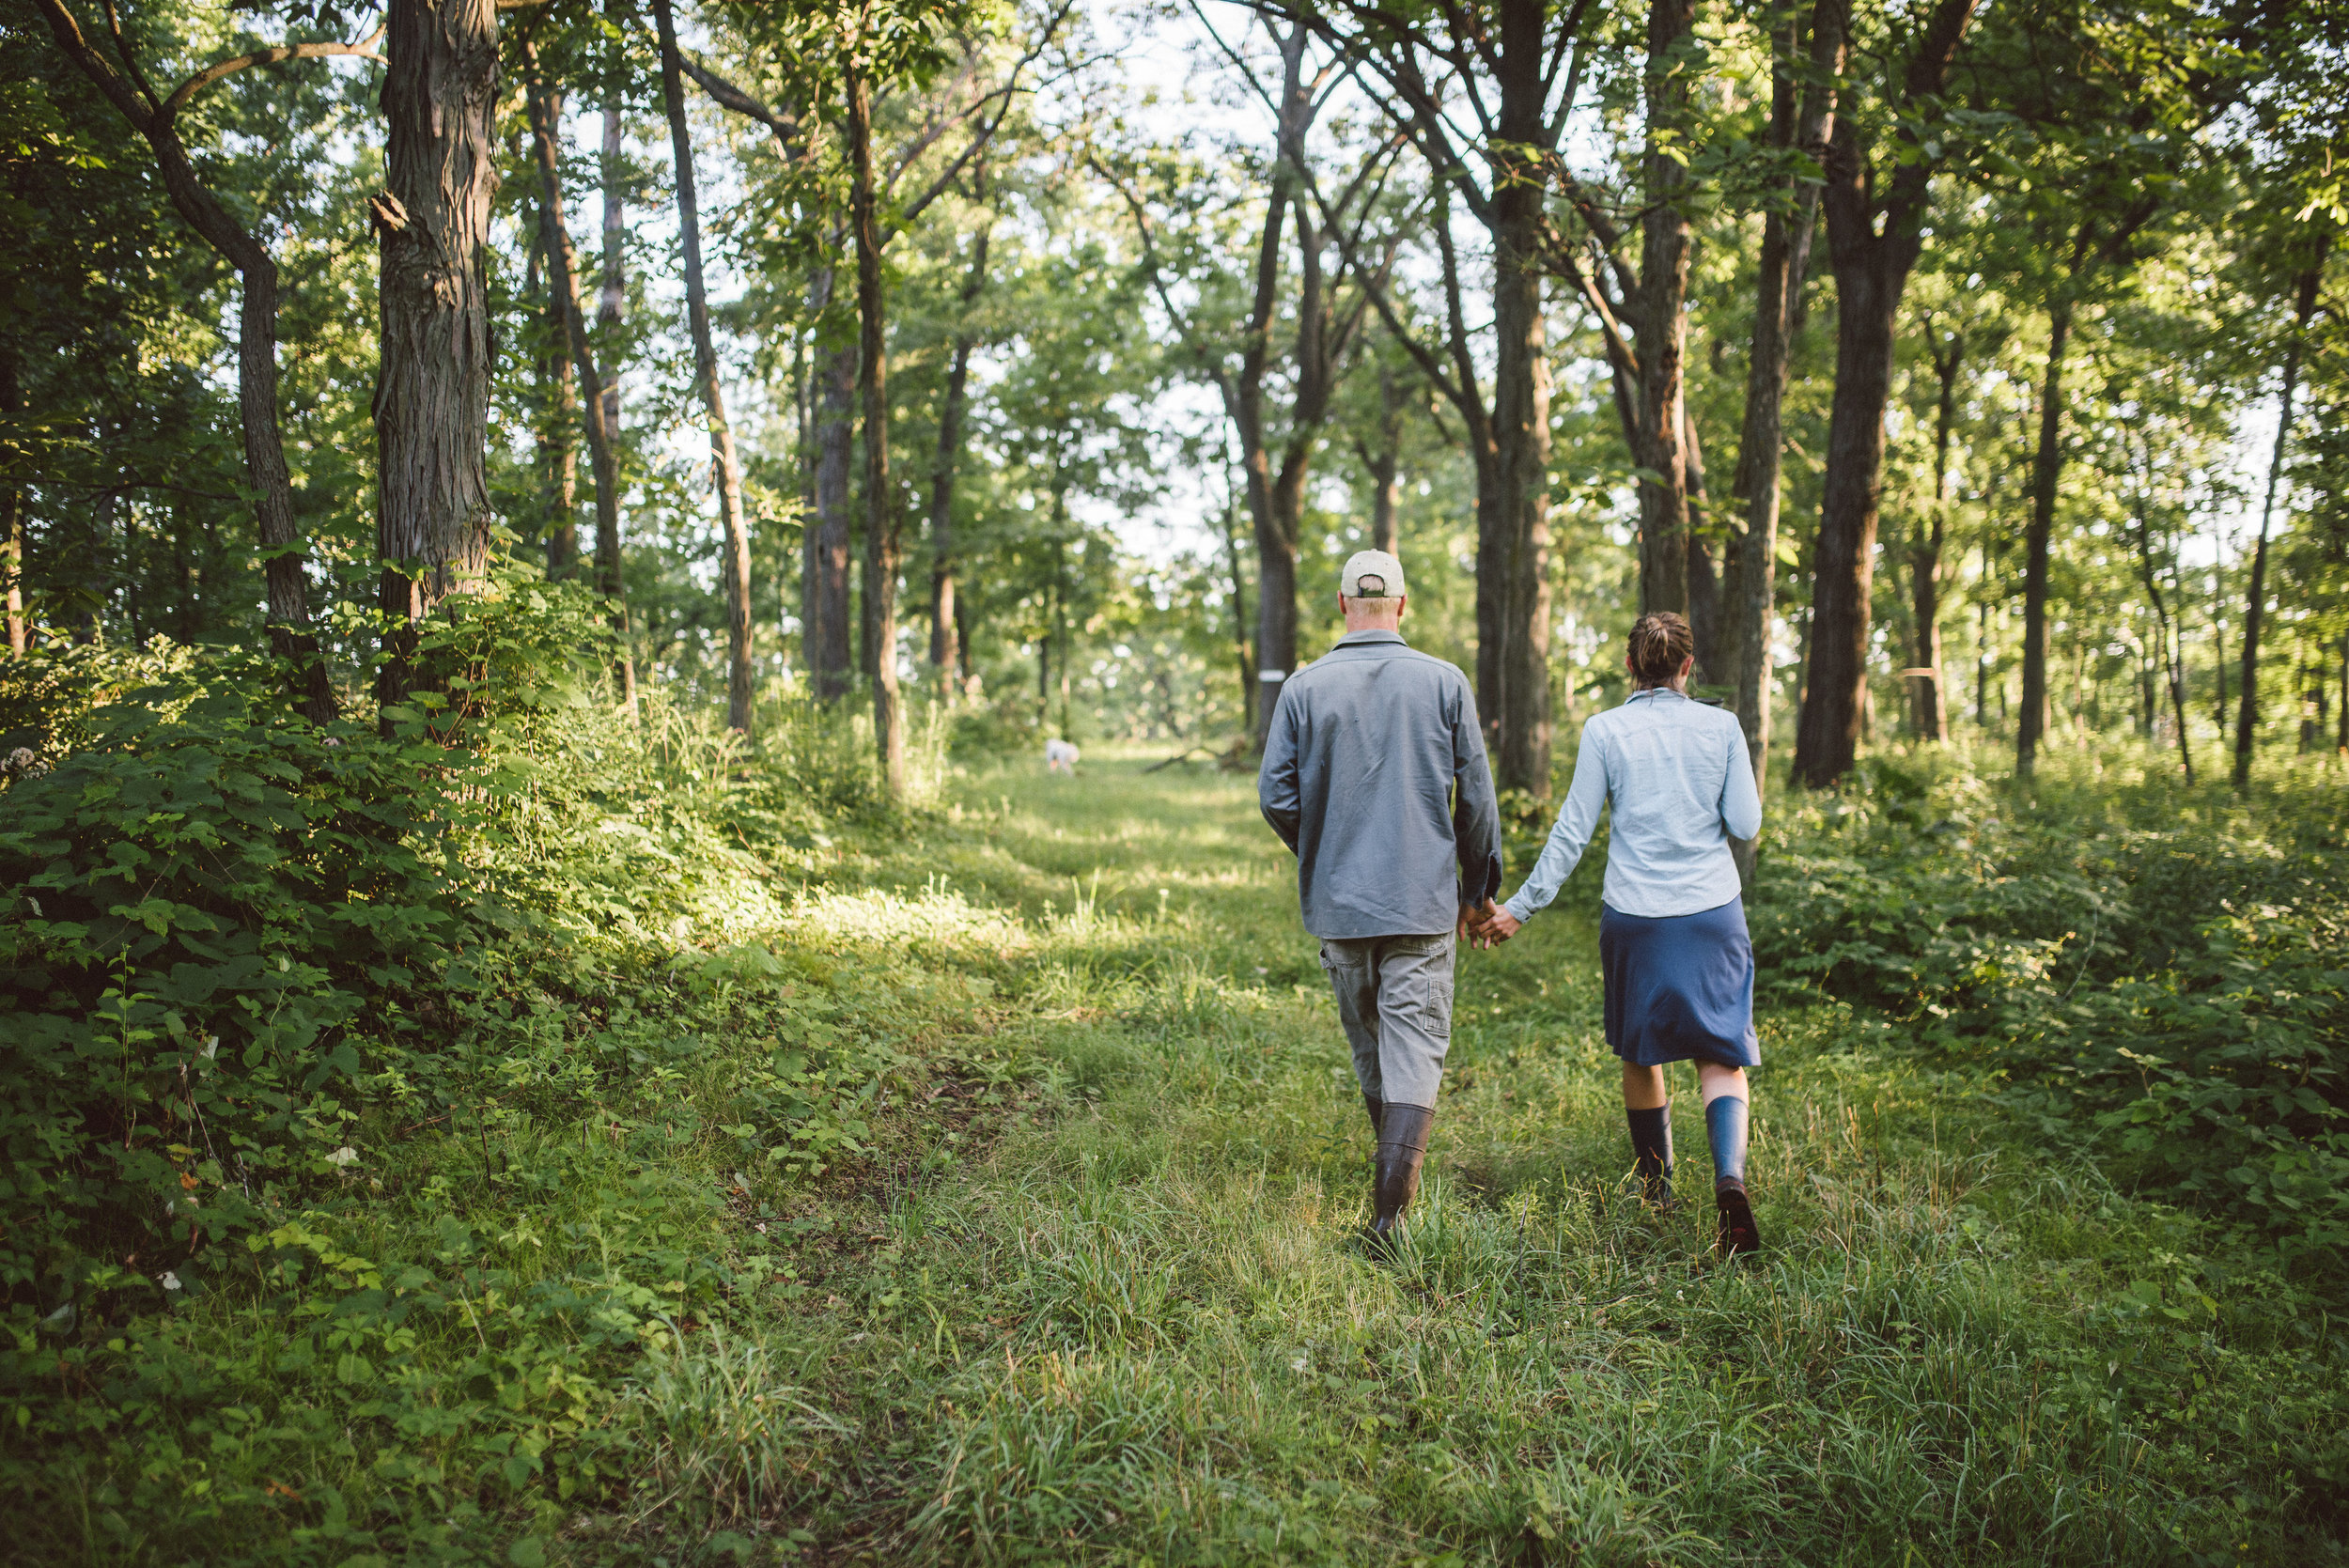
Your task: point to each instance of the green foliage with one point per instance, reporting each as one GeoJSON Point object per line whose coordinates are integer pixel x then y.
{"type": "Point", "coordinates": [2158, 970]}
{"type": "Point", "coordinates": [205, 897]}
{"type": "Point", "coordinates": [510, 974]}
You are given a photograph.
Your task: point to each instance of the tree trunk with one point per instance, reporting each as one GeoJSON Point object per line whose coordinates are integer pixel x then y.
{"type": "Point", "coordinates": [1924, 555]}
{"type": "Point", "coordinates": [12, 512]}
{"type": "Point", "coordinates": [611, 297]}
{"type": "Point", "coordinates": [1247, 692]}
{"type": "Point", "coordinates": [558, 450]}
{"type": "Point", "coordinates": [283, 573]}
{"type": "Point", "coordinates": [882, 552]}
{"type": "Point", "coordinates": [2170, 648]}
{"type": "Point", "coordinates": [1380, 461]}
{"type": "Point", "coordinates": [1751, 589]}
{"type": "Point", "coordinates": [1873, 241]}
{"type": "Point", "coordinates": [1827, 733]}
{"type": "Point", "coordinates": [563, 267]}
{"type": "Point", "coordinates": [728, 473]}
{"type": "Point", "coordinates": [942, 624]}
{"type": "Point", "coordinates": [432, 385]}
{"type": "Point", "coordinates": [826, 588]}
{"type": "Point", "coordinates": [1705, 583]}
{"type": "Point", "coordinates": [1662, 326]}
{"type": "Point", "coordinates": [1521, 435]}
{"type": "Point", "coordinates": [2255, 604]}
{"type": "Point", "coordinates": [2046, 468]}
{"type": "Point", "coordinates": [1276, 548]}
{"type": "Point", "coordinates": [2340, 735]}
{"type": "Point", "coordinates": [1521, 424]}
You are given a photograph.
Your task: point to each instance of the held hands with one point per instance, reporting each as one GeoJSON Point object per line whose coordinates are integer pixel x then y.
{"type": "Point", "coordinates": [1489, 926]}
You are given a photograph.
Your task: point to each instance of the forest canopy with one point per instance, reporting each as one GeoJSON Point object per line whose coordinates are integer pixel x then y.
{"type": "Point", "coordinates": [1951, 367]}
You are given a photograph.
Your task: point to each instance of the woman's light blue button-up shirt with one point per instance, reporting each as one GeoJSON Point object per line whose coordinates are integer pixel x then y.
{"type": "Point", "coordinates": [1677, 773]}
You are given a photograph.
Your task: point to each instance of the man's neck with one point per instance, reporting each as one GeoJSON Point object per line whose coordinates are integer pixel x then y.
{"type": "Point", "coordinates": [1391, 625]}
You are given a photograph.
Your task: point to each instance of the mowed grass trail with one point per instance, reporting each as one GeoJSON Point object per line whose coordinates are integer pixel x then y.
{"type": "Point", "coordinates": [1128, 1325]}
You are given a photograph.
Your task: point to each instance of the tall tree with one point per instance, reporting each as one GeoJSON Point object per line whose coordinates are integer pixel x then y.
{"type": "Point", "coordinates": [876, 43]}
{"type": "Point", "coordinates": [1325, 325]}
{"type": "Point", "coordinates": [2168, 649]}
{"type": "Point", "coordinates": [563, 273]}
{"type": "Point", "coordinates": [432, 381]}
{"type": "Point", "coordinates": [156, 119]}
{"type": "Point", "coordinates": [883, 552]}
{"type": "Point", "coordinates": [945, 631]}
{"type": "Point", "coordinates": [557, 403]}
{"type": "Point", "coordinates": [2255, 600]}
{"type": "Point", "coordinates": [12, 509]}
{"type": "Point", "coordinates": [1947, 350]}
{"type": "Point", "coordinates": [1875, 223]}
{"type": "Point", "coordinates": [726, 472]}
{"type": "Point", "coordinates": [829, 413]}
{"type": "Point", "coordinates": [1497, 65]}
{"type": "Point", "coordinates": [1802, 118]}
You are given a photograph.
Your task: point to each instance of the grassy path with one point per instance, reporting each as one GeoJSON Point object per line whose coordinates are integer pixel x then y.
{"type": "Point", "coordinates": [1129, 1329]}
{"type": "Point", "coordinates": [983, 1193]}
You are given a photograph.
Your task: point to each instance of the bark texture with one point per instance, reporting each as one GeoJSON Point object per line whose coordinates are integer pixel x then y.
{"type": "Point", "coordinates": [2047, 471]}
{"type": "Point", "coordinates": [558, 407]}
{"type": "Point", "coordinates": [824, 585]}
{"type": "Point", "coordinates": [1872, 242]}
{"type": "Point", "coordinates": [725, 472]}
{"type": "Point", "coordinates": [432, 385]}
{"type": "Point", "coordinates": [1662, 319]}
{"type": "Point", "coordinates": [1515, 549]}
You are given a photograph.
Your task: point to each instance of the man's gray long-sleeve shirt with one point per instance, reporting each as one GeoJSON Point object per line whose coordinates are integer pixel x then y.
{"type": "Point", "coordinates": [1375, 773]}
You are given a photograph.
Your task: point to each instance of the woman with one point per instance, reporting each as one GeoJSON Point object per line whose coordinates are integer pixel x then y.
{"type": "Point", "coordinates": [1671, 934]}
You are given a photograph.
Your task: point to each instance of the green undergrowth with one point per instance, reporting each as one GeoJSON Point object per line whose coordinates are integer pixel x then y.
{"type": "Point", "coordinates": [768, 1183]}
{"type": "Point", "coordinates": [2160, 974]}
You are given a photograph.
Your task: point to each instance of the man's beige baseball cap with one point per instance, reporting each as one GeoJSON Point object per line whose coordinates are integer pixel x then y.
{"type": "Point", "coordinates": [1371, 574]}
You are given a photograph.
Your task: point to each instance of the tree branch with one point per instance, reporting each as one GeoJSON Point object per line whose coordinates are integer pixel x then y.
{"type": "Point", "coordinates": [364, 49]}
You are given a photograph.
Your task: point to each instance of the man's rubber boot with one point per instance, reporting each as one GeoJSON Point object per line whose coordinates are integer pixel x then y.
{"type": "Point", "coordinates": [1739, 1234]}
{"type": "Point", "coordinates": [1377, 1109]}
{"type": "Point", "coordinates": [1402, 1149]}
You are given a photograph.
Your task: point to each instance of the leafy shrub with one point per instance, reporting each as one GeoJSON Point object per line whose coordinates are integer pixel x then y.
{"type": "Point", "coordinates": [376, 1103]}
{"type": "Point", "coordinates": [2158, 969]}
{"type": "Point", "coordinates": [205, 897]}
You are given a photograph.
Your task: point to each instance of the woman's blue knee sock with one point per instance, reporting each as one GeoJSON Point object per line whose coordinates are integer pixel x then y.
{"type": "Point", "coordinates": [1726, 1125]}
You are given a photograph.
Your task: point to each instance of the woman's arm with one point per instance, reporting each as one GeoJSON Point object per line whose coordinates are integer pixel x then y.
{"type": "Point", "coordinates": [1741, 801]}
{"type": "Point", "coordinates": [1567, 839]}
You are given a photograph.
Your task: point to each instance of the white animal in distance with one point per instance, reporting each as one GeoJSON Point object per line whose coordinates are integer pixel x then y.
{"type": "Point", "coordinates": [1060, 757]}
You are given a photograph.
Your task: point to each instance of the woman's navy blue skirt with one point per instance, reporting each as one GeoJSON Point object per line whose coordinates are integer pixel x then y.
{"type": "Point", "coordinates": [1680, 989]}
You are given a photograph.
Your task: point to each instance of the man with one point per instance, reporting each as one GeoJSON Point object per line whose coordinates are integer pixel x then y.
{"type": "Point", "coordinates": [1374, 773]}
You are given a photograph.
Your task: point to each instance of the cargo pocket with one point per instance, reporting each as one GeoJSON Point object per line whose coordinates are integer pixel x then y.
{"type": "Point", "coordinates": [1440, 1012]}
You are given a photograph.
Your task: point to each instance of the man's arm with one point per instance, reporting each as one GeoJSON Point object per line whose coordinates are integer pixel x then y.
{"type": "Point", "coordinates": [1276, 779]}
{"type": "Point", "coordinates": [1475, 814]}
